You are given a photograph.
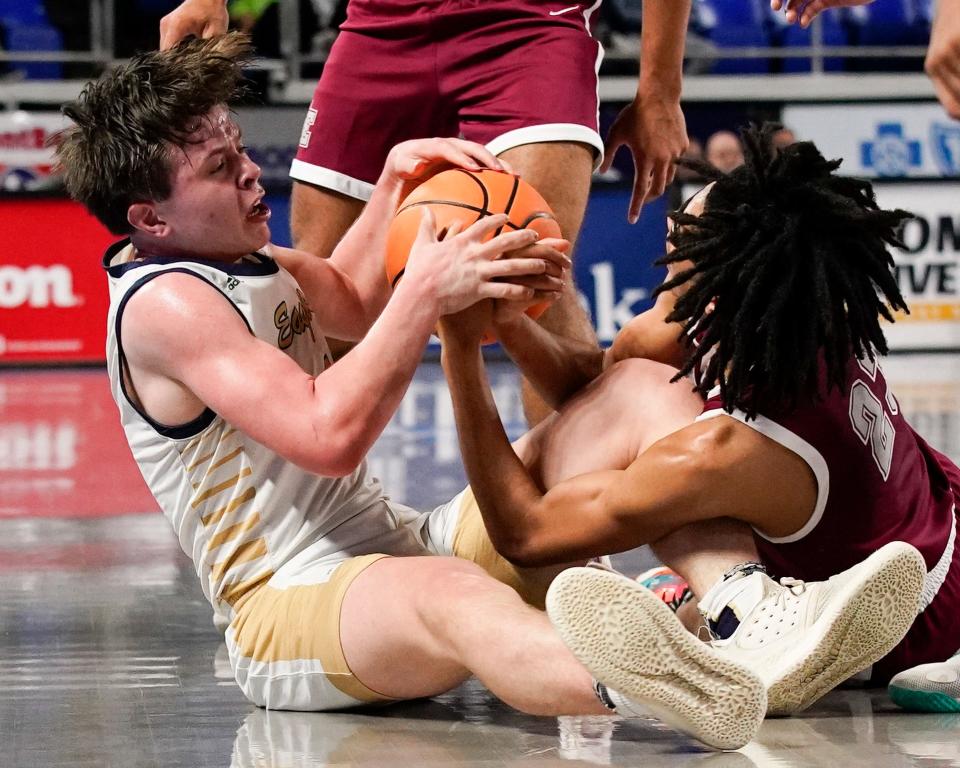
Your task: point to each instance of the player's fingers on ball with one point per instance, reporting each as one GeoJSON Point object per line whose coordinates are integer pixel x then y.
{"type": "Point", "coordinates": [508, 241]}
{"type": "Point", "coordinates": [427, 231]}
{"type": "Point", "coordinates": [512, 267]}
{"type": "Point", "coordinates": [484, 226]}
{"type": "Point", "coordinates": [479, 154]}
{"type": "Point", "coordinates": [510, 291]}
{"type": "Point", "coordinates": [558, 244]}
{"type": "Point", "coordinates": [545, 283]}
{"type": "Point", "coordinates": [450, 231]}
{"type": "Point", "coordinates": [776, 5]}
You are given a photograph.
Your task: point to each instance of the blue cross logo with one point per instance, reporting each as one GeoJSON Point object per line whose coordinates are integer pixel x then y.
{"type": "Point", "coordinates": [890, 153]}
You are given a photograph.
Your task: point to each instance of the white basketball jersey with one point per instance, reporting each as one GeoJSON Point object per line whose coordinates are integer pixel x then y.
{"type": "Point", "coordinates": [241, 511]}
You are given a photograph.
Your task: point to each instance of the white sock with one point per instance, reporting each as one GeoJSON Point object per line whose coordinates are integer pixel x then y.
{"type": "Point", "coordinates": [729, 601]}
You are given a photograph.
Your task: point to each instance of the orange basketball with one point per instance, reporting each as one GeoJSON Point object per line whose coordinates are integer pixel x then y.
{"type": "Point", "coordinates": [468, 196]}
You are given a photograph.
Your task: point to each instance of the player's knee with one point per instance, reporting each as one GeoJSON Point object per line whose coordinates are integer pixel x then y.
{"type": "Point", "coordinates": [458, 587]}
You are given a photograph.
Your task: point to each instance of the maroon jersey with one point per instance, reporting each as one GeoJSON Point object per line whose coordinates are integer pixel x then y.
{"type": "Point", "coordinates": [878, 481]}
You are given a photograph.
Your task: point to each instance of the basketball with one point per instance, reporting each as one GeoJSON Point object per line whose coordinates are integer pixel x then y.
{"type": "Point", "coordinates": [468, 196]}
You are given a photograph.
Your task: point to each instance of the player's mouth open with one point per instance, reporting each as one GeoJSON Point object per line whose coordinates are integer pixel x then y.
{"type": "Point", "coordinates": [259, 211]}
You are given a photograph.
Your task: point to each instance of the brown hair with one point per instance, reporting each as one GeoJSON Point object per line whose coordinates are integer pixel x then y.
{"type": "Point", "coordinates": [126, 122]}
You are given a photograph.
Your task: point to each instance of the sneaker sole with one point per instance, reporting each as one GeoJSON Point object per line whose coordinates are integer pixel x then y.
{"type": "Point", "coordinates": [923, 701]}
{"type": "Point", "coordinates": [631, 641]}
{"type": "Point", "coordinates": [870, 622]}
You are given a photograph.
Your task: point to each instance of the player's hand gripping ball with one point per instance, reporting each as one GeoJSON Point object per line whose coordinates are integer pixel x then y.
{"type": "Point", "coordinates": [468, 196]}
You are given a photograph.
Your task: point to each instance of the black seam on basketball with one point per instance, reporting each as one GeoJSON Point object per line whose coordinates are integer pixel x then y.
{"type": "Point", "coordinates": [482, 211]}
{"type": "Point", "coordinates": [483, 190]}
{"type": "Point", "coordinates": [532, 216]}
{"type": "Point", "coordinates": [509, 205]}
{"type": "Point", "coordinates": [396, 277]}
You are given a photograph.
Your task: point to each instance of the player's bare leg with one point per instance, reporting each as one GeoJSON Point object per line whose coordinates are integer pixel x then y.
{"type": "Point", "coordinates": [319, 218]}
{"type": "Point", "coordinates": [561, 172]}
{"type": "Point", "coordinates": [414, 627]}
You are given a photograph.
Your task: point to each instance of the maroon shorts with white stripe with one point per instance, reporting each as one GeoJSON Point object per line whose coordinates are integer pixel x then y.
{"type": "Point", "coordinates": [499, 72]}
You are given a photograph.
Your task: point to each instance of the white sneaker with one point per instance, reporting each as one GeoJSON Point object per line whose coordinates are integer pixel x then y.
{"type": "Point", "coordinates": [631, 642]}
{"type": "Point", "coordinates": [804, 639]}
{"type": "Point", "coordinates": [928, 687]}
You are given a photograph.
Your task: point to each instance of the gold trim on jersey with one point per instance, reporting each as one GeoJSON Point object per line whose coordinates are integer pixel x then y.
{"type": "Point", "coordinates": [214, 517]}
{"type": "Point", "coordinates": [220, 487]}
{"type": "Point", "coordinates": [245, 552]}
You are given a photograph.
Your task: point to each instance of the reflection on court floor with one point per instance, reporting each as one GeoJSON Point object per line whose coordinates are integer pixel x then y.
{"type": "Point", "coordinates": [108, 656]}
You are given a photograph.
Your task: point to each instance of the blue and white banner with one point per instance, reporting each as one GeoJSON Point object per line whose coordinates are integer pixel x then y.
{"type": "Point", "coordinates": [907, 140]}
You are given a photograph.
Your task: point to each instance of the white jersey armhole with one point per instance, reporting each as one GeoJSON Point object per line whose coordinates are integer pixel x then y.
{"type": "Point", "coordinates": [796, 444]}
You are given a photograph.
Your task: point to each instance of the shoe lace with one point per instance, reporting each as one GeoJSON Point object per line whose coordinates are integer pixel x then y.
{"type": "Point", "coordinates": [794, 587]}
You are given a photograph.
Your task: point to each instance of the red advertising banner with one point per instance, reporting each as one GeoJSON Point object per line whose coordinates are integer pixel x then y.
{"type": "Point", "coordinates": [62, 449]}
{"type": "Point", "coordinates": [53, 293]}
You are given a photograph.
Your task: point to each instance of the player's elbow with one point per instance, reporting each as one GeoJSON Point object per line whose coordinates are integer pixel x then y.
{"type": "Point", "coordinates": [523, 549]}
{"type": "Point", "coordinates": [336, 455]}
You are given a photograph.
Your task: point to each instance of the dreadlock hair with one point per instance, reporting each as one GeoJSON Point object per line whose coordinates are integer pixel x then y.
{"type": "Point", "coordinates": [126, 123]}
{"type": "Point", "coordinates": [790, 265]}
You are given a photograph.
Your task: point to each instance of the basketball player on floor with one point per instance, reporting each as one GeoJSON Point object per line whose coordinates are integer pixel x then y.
{"type": "Point", "coordinates": [519, 76]}
{"type": "Point", "coordinates": [799, 463]}
{"type": "Point", "coordinates": [330, 596]}
{"type": "Point", "coordinates": [933, 687]}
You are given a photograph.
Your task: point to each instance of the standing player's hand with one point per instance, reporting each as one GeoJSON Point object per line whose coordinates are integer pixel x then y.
{"type": "Point", "coordinates": [413, 162]}
{"type": "Point", "coordinates": [463, 269]}
{"type": "Point", "coordinates": [943, 56]}
{"type": "Point", "coordinates": [805, 11]}
{"type": "Point", "coordinates": [654, 129]}
{"type": "Point", "coordinates": [203, 18]}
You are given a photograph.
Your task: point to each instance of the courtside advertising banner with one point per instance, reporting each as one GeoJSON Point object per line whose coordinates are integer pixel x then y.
{"type": "Point", "coordinates": [928, 269]}
{"type": "Point", "coordinates": [882, 140]}
{"type": "Point", "coordinates": [26, 159]}
{"type": "Point", "coordinates": [53, 292]}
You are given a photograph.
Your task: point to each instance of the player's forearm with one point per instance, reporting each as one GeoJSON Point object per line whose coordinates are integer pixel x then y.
{"type": "Point", "coordinates": [556, 366]}
{"type": "Point", "coordinates": [356, 398]}
{"type": "Point", "coordinates": [361, 253]}
{"type": "Point", "coordinates": [505, 492]}
{"type": "Point", "coordinates": [661, 48]}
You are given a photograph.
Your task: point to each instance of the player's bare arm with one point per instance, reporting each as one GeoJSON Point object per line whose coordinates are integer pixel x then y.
{"type": "Point", "coordinates": [943, 56]}
{"type": "Point", "coordinates": [717, 468]}
{"type": "Point", "coordinates": [651, 336]}
{"type": "Point", "coordinates": [652, 125]}
{"type": "Point", "coordinates": [326, 423]}
{"type": "Point", "coordinates": [203, 18]}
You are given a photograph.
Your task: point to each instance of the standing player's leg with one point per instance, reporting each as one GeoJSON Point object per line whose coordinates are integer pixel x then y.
{"type": "Point", "coordinates": [320, 217]}
{"type": "Point", "coordinates": [355, 117]}
{"type": "Point", "coordinates": [525, 84]}
{"type": "Point", "coordinates": [561, 172]}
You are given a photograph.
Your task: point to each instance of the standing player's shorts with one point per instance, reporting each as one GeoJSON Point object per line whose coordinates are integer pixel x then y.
{"type": "Point", "coordinates": [498, 72]}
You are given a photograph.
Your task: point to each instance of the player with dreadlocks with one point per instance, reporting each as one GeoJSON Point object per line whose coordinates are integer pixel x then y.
{"type": "Point", "coordinates": [792, 459]}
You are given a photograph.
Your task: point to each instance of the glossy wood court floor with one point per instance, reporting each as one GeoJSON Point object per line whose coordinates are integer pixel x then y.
{"type": "Point", "coordinates": [108, 657]}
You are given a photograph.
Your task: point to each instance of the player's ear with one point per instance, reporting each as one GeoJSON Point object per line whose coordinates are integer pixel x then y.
{"type": "Point", "coordinates": [143, 217]}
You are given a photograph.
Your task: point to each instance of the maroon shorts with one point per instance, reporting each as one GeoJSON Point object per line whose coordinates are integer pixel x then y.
{"type": "Point", "coordinates": [499, 72]}
{"type": "Point", "coordinates": [935, 635]}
